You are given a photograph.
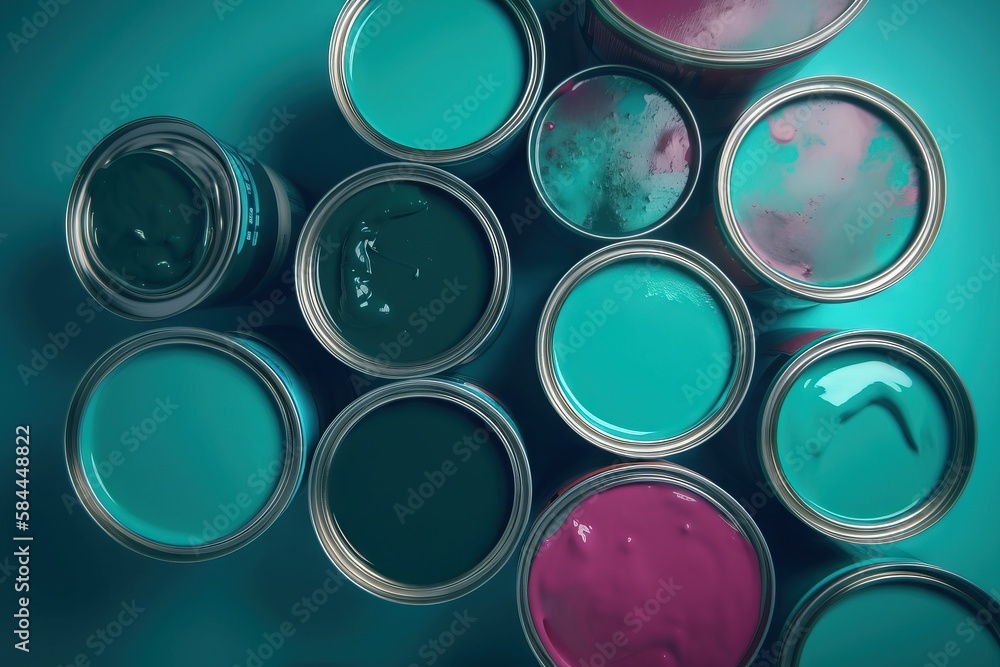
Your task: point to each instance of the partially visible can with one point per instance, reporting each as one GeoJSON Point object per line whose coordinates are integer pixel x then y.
{"type": "Point", "coordinates": [463, 106]}
{"type": "Point", "coordinates": [645, 349]}
{"type": "Point", "coordinates": [868, 437]}
{"type": "Point", "coordinates": [434, 247]}
{"type": "Point", "coordinates": [643, 559]}
{"type": "Point", "coordinates": [829, 189]}
{"type": "Point", "coordinates": [717, 53]}
{"type": "Point", "coordinates": [891, 612]}
{"type": "Point", "coordinates": [162, 218]}
{"type": "Point", "coordinates": [614, 153]}
{"type": "Point", "coordinates": [185, 444]}
{"type": "Point", "coordinates": [420, 490]}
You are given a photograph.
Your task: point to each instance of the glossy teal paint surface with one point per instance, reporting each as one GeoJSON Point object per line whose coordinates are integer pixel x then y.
{"type": "Point", "coordinates": [422, 489]}
{"type": "Point", "coordinates": [643, 350]}
{"type": "Point", "coordinates": [436, 74]}
{"type": "Point", "coordinates": [412, 275]}
{"type": "Point", "coordinates": [174, 437]}
{"type": "Point", "coordinates": [145, 226]}
{"type": "Point", "coordinates": [899, 624]}
{"type": "Point", "coordinates": [862, 439]}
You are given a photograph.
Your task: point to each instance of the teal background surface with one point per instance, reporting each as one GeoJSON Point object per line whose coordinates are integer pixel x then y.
{"type": "Point", "coordinates": [253, 73]}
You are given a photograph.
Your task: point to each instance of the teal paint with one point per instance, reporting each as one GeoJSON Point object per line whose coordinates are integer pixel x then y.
{"type": "Point", "coordinates": [827, 191]}
{"type": "Point", "coordinates": [430, 59]}
{"type": "Point", "coordinates": [899, 624]}
{"type": "Point", "coordinates": [146, 227]}
{"type": "Point", "coordinates": [643, 350]}
{"type": "Point", "coordinates": [611, 153]}
{"type": "Point", "coordinates": [177, 435]}
{"type": "Point", "coordinates": [862, 439]}
{"type": "Point", "coordinates": [413, 273]}
{"type": "Point", "coordinates": [422, 489]}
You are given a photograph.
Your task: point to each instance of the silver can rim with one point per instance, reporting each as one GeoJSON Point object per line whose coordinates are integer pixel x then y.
{"type": "Point", "coordinates": [293, 463]}
{"type": "Point", "coordinates": [828, 593]}
{"type": "Point", "coordinates": [675, 98]}
{"type": "Point", "coordinates": [309, 293]}
{"type": "Point", "coordinates": [962, 425]}
{"type": "Point", "coordinates": [534, 39]}
{"type": "Point", "coordinates": [338, 548]}
{"type": "Point", "coordinates": [136, 135]}
{"type": "Point", "coordinates": [726, 294]}
{"type": "Point", "coordinates": [560, 508]}
{"type": "Point", "coordinates": [904, 119]}
{"type": "Point", "coordinates": [650, 41]}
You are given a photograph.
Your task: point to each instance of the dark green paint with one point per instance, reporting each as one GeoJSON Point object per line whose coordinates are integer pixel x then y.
{"type": "Point", "coordinates": [146, 226]}
{"type": "Point", "coordinates": [406, 448]}
{"type": "Point", "coordinates": [405, 271]}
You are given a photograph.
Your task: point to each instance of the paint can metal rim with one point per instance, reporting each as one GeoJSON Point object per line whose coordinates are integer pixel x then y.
{"type": "Point", "coordinates": [534, 40]}
{"type": "Point", "coordinates": [293, 463]}
{"type": "Point", "coordinates": [563, 505]}
{"type": "Point", "coordinates": [338, 548]}
{"type": "Point", "coordinates": [844, 582]}
{"type": "Point", "coordinates": [612, 16]}
{"type": "Point", "coordinates": [310, 295]}
{"type": "Point", "coordinates": [671, 94]}
{"type": "Point", "coordinates": [729, 300]}
{"type": "Point", "coordinates": [187, 145]}
{"type": "Point", "coordinates": [962, 425]}
{"type": "Point", "coordinates": [903, 117]}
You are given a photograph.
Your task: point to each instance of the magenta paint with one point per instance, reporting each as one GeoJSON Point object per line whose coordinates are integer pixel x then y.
{"type": "Point", "coordinates": [840, 198]}
{"type": "Point", "coordinates": [647, 572]}
{"type": "Point", "coordinates": [716, 52]}
{"type": "Point", "coordinates": [829, 189]}
{"type": "Point", "coordinates": [728, 25]}
{"type": "Point", "coordinates": [614, 152]}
